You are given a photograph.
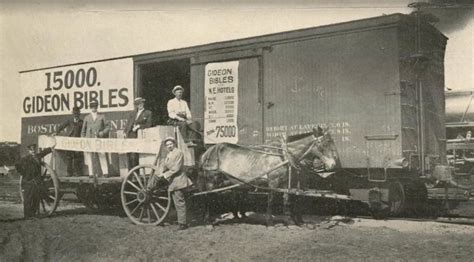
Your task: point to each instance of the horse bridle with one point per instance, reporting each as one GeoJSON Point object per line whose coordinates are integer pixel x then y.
{"type": "Point", "coordinates": [291, 158]}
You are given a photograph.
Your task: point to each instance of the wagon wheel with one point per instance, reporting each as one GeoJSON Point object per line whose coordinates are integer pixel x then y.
{"type": "Point", "coordinates": [48, 188]}
{"type": "Point", "coordinates": [143, 204]}
{"type": "Point", "coordinates": [396, 198]}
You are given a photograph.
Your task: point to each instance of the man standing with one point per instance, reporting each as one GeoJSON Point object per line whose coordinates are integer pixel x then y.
{"type": "Point", "coordinates": [29, 167]}
{"type": "Point", "coordinates": [180, 115]}
{"type": "Point", "coordinates": [140, 119]}
{"type": "Point", "coordinates": [172, 170]}
{"type": "Point", "coordinates": [95, 126]}
{"type": "Point", "coordinates": [73, 158]}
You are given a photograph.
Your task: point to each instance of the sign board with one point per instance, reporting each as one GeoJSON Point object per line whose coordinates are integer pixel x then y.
{"type": "Point", "coordinates": [56, 91]}
{"type": "Point", "coordinates": [221, 100]}
{"type": "Point", "coordinates": [100, 145]}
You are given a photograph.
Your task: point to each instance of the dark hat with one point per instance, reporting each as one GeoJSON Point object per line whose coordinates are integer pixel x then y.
{"type": "Point", "coordinates": [32, 146]}
{"type": "Point", "coordinates": [178, 87]}
{"type": "Point", "coordinates": [139, 100]}
{"type": "Point", "coordinates": [170, 139]}
{"type": "Point", "coordinates": [76, 110]}
{"type": "Point", "coordinates": [94, 104]}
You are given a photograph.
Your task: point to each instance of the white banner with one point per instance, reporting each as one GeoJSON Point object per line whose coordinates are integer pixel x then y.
{"type": "Point", "coordinates": [100, 145]}
{"type": "Point", "coordinates": [56, 91]}
{"type": "Point", "coordinates": [221, 100]}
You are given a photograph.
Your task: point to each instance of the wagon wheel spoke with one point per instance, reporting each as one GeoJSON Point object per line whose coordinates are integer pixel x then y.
{"type": "Point", "coordinates": [154, 211]}
{"type": "Point", "coordinates": [130, 202]}
{"type": "Point", "coordinates": [139, 180]}
{"type": "Point", "coordinates": [164, 198]}
{"type": "Point", "coordinates": [141, 214]}
{"type": "Point", "coordinates": [130, 193]}
{"type": "Point", "coordinates": [148, 213]}
{"type": "Point", "coordinates": [135, 209]}
{"type": "Point", "coordinates": [132, 184]}
{"type": "Point", "coordinates": [160, 206]}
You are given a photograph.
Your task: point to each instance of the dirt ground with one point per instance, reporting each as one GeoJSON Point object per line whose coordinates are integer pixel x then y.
{"type": "Point", "coordinates": [75, 234]}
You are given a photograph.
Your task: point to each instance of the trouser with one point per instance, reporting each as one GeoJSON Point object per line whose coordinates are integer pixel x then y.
{"type": "Point", "coordinates": [132, 158]}
{"type": "Point", "coordinates": [31, 198]}
{"type": "Point", "coordinates": [74, 163]}
{"type": "Point", "coordinates": [90, 160]}
{"type": "Point", "coordinates": [179, 199]}
{"type": "Point", "coordinates": [189, 131]}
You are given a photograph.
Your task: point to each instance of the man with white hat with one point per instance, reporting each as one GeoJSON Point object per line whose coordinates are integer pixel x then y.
{"type": "Point", "coordinates": [138, 120]}
{"type": "Point", "coordinates": [180, 115]}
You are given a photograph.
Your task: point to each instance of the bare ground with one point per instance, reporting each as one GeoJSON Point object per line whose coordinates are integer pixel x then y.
{"type": "Point", "coordinates": [77, 235]}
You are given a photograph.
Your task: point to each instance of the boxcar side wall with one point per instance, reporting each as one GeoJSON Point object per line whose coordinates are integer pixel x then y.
{"type": "Point", "coordinates": [348, 82]}
{"type": "Point", "coordinates": [422, 83]}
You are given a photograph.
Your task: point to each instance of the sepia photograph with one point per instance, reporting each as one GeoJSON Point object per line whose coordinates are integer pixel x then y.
{"type": "Point", "coordinates": [218, 130]}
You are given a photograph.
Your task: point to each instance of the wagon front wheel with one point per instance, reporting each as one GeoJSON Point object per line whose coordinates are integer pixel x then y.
{"type": "Point", "coordinates": [144, 203]}
{"type": "Point", "coordinates": [48, 190]}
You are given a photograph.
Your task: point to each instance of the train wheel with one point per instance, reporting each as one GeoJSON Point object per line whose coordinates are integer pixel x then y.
{"type": "Point", "coordinates": [144, 203]}
{"type": "Point", "coordinates": [396, 198]}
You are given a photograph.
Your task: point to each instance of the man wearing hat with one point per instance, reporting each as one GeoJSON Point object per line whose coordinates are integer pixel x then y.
{"type": "Point", "coordinates": [139, 119]}
{"type": "Point", "coordinates": [172, 170]}
{"type": "Point", "coordinates": [180, 115]}
{"type": "Point", "coordinates": [95, 126]}
{"type": "Point", "coordinates": [29, 168]}
{"type": "Point", "coordinates": [74, 126]}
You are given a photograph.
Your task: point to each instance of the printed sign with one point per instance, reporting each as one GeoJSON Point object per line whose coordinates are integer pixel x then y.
{"type": "Point", "coordinates": [221, 100]}
{"type": "Point", "coordinates": [56, 91]}
{"type": "Point", "coordinates": [100, 145]}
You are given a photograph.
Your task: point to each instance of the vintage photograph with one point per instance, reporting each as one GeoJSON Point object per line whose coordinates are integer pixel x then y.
{"type": "Point", "coordinates": [237, 130]}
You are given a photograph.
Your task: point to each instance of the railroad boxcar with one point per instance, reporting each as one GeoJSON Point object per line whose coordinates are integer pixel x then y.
{"type": "Point", "coordinates": [377, 83]}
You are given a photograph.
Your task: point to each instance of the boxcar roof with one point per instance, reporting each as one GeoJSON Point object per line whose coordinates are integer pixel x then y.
{"type": "Point", "coordinates": [259, 41]}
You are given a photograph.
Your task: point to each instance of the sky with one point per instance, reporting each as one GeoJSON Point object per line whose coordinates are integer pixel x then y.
{"type": "Point", "coordinates": [36, 34]}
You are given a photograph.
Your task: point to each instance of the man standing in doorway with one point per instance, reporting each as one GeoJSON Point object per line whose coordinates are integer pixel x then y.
{"type": "Point", "coordinates": [180, 115]}
{"type": "Point", "coordinates": [138, 120]}
{"type": "Point", "coordinates": [172, 170]}
{"type": "Point", "coordinates": [74, 159]}
{"type": "Point", "coordinates": [29, 168]}
{"type": "Point", "coordinates": [95, 126]}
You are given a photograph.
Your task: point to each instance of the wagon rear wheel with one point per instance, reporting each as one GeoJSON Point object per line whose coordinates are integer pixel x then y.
{"type": "Point", "coordinates": [48, 188]}
{"type": "Point", "coordinates": [145, 204]}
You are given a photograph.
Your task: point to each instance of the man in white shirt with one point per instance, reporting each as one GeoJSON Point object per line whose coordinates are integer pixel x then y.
{"type": "Point", "coordinates": [180, 115]}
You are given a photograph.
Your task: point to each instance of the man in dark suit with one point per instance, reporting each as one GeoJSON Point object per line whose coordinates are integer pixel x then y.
{"type": "Point", "coordinates": [29, 167]}
{"type": "Point", "coordinates": [95, 126]}
{"type": "Point", "coordinates": [138, 120]}
{"type": "Point", "coordinates": [74, 159]}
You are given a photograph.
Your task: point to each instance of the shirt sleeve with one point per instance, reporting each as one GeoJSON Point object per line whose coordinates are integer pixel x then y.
{"type": "Point", "coordinates": [171, 109]}
{"type": "Point", "coordinates": [188, 112]}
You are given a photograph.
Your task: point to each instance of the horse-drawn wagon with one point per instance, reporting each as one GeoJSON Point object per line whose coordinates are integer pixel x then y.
{"type": "Point", "coordinates": [267, 168]}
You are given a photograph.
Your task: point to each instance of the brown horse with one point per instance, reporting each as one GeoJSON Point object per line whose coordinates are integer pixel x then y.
{"type": "Point", "coordinates": [228, 165]}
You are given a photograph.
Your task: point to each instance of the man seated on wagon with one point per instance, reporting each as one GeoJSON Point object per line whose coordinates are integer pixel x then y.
{"type": "Point", "coordinates": [180, 115]}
